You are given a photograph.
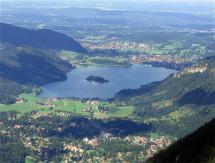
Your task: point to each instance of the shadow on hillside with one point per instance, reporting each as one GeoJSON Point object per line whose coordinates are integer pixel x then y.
{"type": "Point", "coordinates": [198, 97]}
{"type": "Point", "coordinates": [80, 127]}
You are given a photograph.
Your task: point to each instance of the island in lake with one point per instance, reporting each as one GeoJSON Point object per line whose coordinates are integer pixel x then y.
{"type": "Point", "coordinates": [96, 79]}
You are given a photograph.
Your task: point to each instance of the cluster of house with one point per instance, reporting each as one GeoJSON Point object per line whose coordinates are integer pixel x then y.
{"type": "Point", "coordinates": [157, 145]}
{"type": "Point", "coordinates": [95, 103]}
{"type": "Point", "coordinates": [48, 103]}
{"type": "Point", "coordinates": [75, 152]}
{"type": "Point", "coordinates": [35, 143]}
{"type": "Point", "coordinates": [115, 45]}
{"type": "Point", "coordinates": [153, 145]}
{"type": "Point", "coordinates": [159, 142]}
{"type": "Point", "coordinates": [19, 101]}
{"type": "Point", "coordinates": [40, 114]}
{"type": "Point", "coordinates": [137, 140]}
{"type": "Point", "coordinates": [138, 59]}
{"type": "Point", "coordinates": [93, 142]}
{"type": "Point", "coordinates": [103, 109]}
{"type": "Point", "coordinates": [87, 110]}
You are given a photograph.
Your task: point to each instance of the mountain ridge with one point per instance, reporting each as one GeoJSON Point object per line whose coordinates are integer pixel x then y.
{"type": "Point", "coordinates": [197, 147]}
{"type": "Point", "coordinates": [179, 104]}
{"type": "Point", "coordinates": [22, 68]}
{"type": "Point", "coordinates": [42, 38]}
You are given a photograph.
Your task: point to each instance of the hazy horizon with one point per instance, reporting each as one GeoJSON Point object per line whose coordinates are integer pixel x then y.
{"type": "Point", "coordinates": [118, 0]}
{"type": "Point", "coordinates": [197, 6]}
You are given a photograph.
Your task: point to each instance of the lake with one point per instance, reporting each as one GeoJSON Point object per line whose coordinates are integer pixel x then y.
{"type": "Point", "coordinates": [120, 78]}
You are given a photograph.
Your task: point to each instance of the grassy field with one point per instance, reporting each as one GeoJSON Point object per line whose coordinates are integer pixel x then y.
{"type": "Point", "coordinates": [32, 102]}
{"type": "Point", "coordinates": [83, 60]}
{"type": "Point", "coordinates": [22, 108]}
{"type": "Point", "coordinates": [29, 159]}
{"type": "Point", "coordinates": [29, 105]}
{"type": "Point", "coordinates": [115, 112]}
{"type": "Point", "coordinates": [121, 111]}
{"type": "Point", "coordinates": [75, 107]}
{"type": "Point", "coordinates": [179, 48]}
{"type": "Point", "coordinates": [30, 97]}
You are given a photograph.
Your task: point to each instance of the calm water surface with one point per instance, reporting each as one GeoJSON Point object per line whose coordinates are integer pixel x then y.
{"type": "Point", "coordinates": [119, 77]}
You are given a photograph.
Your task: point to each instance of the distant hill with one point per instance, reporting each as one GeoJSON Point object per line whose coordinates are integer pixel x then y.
{"type": "Point", "coordinates": [21, 67]}
{"type": "Point", "coordinates": [43, 38]}
{"type": "Point", "coordinates": [27, 65]}
{"type": "Point", "coordinates": [196, 147]}
{"type": "Point", "coordinates": [26, 61]}
{"type": "Point", "coordinates": [179, 104]}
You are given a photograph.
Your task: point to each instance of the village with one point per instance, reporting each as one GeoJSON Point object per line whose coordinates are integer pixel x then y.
{"type": "Point", "coordinates": [77, 151]}
{"type": "Point", "coordinates": [142, 56]}
{"type": "Point", "coordinates": [116, 45]}
{"type": "Point", "coordinates": [166, 59]}
{"type": "Point", "coordinates": [152, 146]}
{"type": "Point", "coordinates": [92, 108]}
{"type": "Point", "coordinates": [78, 148]}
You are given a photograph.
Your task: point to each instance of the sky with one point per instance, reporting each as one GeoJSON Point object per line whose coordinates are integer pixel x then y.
{"type": "Point", "coordinates": [124, 0]}
{"type": "Point", "coordinates": [180, 5]}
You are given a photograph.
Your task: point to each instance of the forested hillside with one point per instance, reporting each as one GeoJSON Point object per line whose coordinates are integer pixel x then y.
{"type": "Point", "coordinates": [43, 38]}
{"type": "Point", "coordinates": [21, 68]}
{"type": "Point", "coordinates": [28, 59]}
{"type": "Point", "coordinates": [180, 103]}
{"type": "Point", "coordinates": [196, 147]}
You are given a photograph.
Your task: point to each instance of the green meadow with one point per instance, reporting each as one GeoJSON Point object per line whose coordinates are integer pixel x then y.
{"type": "Point", "coordinates": [31, 102]}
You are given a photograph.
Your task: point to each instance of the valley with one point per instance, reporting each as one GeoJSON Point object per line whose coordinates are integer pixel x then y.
{"type": "Point", "coordinates": [85, 128]}
{"type": "Point", "coordinates": [97, 109]}
{"type": "Point", "coordinates": [79, 138]}
{"type": "Point", "coordinates": [127, 82]}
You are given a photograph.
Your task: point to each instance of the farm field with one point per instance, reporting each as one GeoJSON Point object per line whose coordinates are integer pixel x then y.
{"type": "Point", "coordinates": [29, 102]}
{"type": "Point", "coordinates": [84, 60]}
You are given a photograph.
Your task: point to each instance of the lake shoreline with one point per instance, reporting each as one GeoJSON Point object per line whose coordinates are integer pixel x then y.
{"type": "Point", "coordinates": [76, 85]}
{"type": "Point", "coordinates": [171, 66]}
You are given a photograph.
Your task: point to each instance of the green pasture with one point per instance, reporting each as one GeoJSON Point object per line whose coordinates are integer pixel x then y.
{"type": "Point", "coordinates": [34, 103]}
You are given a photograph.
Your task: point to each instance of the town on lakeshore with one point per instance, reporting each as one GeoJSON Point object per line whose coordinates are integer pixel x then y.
{"type": "Point", "coordinates": [107, 81]}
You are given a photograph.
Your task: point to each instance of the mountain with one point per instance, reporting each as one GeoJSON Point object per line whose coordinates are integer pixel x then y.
{"type": "Point", "coordinates": [43, 38]}
{"type": "Point", "coordinates": [179, 104]}
{"type": "Point", "coordinates": [196, 147]}
{"type": "Point", "coordinates": [26, 67]}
